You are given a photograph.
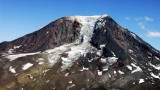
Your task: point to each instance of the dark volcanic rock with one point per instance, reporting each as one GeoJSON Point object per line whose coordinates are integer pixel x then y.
{"type": "Point", "coordinates": [55, 34]}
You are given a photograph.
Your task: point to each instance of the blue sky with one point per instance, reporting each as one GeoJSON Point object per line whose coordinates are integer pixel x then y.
{"type": "Point", "coordinates": [20, 17]}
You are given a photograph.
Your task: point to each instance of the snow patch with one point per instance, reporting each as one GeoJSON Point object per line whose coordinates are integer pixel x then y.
{"type": "Point", "coordinates": [155, 76]}
{"type": "Point", "coordinates": [141, 81]}
{"type": "Point", "coordinates": [41, 63]}
{"type": "Point", "coordinates": [11, 69]}
{"type": "Point", "coordinates": [15, 47]}
{"type": "Point", "coordinates": [99, 52]}
{"type": "Point", "coordinates": [15, 56]}
{"type": "Point", "coordinates": [70, 82]}
{"type": "Point", "coordinates": [26, 66]}
{"type": "Point", "coordinates": [112, 60]}
{"type": "Point", "coordinates": [134, 35]}
{"type": "Point", "coordinates": [113, 53]}
{"type": "Point", "coordinates": [10, 51]}
{"type": "Point", "coordinates": [102, 46]}
{"type": "Point", "coordinates": [103, 60]}
{"type": "Point", "coordinates": [40, 59]}
{"type": "Point", "coordinates": [129, 67]}
{"type": "Point", "coordinates": [99, 72]}
{"type": "Point", "coordinates": [109, 61]}
{"type": "Point", "coordinates": [155, 67]}
{"type": "Point", "coordinates": [85, 68]}
{"type": "Point", "coordinates": [120, 72]}
{"type": "Point", "coordinates": [130, 50]}
{"type": "Point", "coordinates": [157, 58]}
{"type": "Point", "coordinates": [138, 69]}
{"type": "Point", "coordinates": [66, 74]}
{"type": "Point", "coordinates": [68, 88]}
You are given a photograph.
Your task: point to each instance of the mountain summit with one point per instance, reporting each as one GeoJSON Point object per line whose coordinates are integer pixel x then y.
{"type": "Point", "coordinates": [79, 53]}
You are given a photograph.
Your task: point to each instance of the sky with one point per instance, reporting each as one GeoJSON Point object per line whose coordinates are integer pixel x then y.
{"type": "Point", "coordinates": [20, 17]}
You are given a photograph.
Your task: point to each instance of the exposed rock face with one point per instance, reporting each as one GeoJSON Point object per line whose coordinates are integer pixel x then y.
{"type": "Point", "coordinates": [55, 34]}
{"type": "Point", "coordinates": [79, 53]}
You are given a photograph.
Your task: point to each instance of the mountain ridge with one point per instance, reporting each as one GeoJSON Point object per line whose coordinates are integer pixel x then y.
{"type": "Point", "coordinates": [79, 52]}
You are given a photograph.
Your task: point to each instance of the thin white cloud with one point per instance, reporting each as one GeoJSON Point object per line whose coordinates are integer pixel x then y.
{"type": "Point", "coordinates": [138, 18]}
{"type": "Point", "coordinates": [127, 18]}
{"type": "Point", "coordinates": [141, 25]}
{"type": "Point", "coordinates": [148, 18]}
{"type": "Point", "coordinates": [145, 18]}
{"type": "Point", "coordinates": [153, 34]}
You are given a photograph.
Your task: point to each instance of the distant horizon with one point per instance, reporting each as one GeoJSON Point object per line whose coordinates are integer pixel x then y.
{"type": "Point", "coordinates": [18, 18]}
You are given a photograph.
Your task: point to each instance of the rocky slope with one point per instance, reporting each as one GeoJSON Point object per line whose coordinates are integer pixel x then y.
{"type": "Point", "coordinates": [79, 53]}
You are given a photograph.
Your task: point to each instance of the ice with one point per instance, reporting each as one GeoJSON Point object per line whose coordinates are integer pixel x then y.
{"type": "Point", "coordinates": [12, 69]}
{"type": "Point", "coordinates": [138, 69]}
{"type": "Point", "coordinates": [141, 81]}
{"type": "Point", "coordinates": [26, 66]}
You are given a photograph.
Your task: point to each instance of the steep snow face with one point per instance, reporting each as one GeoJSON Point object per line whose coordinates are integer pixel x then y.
{"type": "Point", "coordinates": [88, 24]}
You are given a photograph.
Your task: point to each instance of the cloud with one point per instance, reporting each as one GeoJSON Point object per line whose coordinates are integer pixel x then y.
{"type": "Point", "coordinates": [141, 25]}
{"type": "Point", "coordinates": [153, 34]}
{"type": "Point", "coordinates": [138, 18]}
{"type": "Point", "coordinates": [148, 18]}
{"type": "Point", "coordinates": [127, 18]}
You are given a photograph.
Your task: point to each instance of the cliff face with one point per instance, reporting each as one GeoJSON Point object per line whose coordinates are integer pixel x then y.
{"type": "Point", "coordinates": [79, 52]}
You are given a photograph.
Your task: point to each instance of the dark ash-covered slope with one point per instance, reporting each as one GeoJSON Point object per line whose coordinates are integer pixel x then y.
{"type": "Point", "coordinates": [54, 34]}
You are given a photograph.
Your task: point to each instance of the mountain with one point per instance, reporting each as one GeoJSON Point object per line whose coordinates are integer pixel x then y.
{"type": "Point", "coordinates": [79, 53]}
